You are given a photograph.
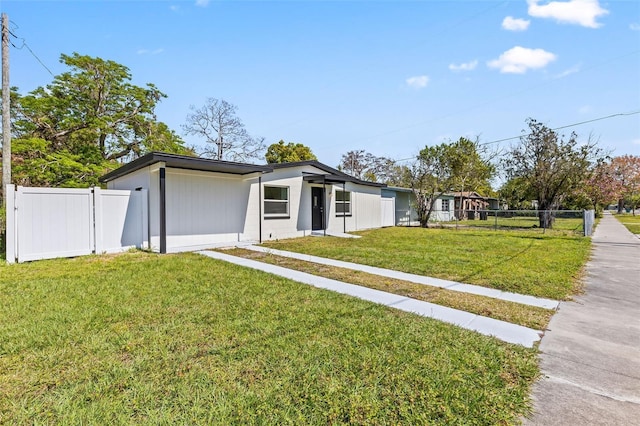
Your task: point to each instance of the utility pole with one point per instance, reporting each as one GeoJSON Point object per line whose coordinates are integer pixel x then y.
{"type": "Point", "coordinates": [6, 116]}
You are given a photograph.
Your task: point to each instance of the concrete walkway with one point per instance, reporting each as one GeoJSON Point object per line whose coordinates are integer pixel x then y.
{"type": "Point", "coordinates": [591, 351]}
{"type": "Point", "coordinates": [502, 330]}
{"type": "Point", "coordinates": [418, 279]}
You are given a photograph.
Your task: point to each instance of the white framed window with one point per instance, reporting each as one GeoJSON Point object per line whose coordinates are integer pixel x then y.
{"type": "Point", "coordinates": [343, 203]}
{"type": "Point", "coordinates": [276, 201]}
{"type": "Point", "coordinates": [445, 205]}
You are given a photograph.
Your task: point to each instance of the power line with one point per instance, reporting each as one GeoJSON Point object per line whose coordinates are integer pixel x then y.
{"type": "Point", "coordinates": [620, 114]}
{"type": "Point", "coordinates": [568, 125]}
{"type": "Point", "coordinates": [24, 44]}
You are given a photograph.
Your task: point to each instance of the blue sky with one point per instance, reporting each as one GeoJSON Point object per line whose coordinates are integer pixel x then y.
{"type": "Point", "coordinates": [389, 77]}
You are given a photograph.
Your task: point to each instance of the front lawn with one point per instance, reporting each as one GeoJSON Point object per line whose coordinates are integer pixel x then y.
{"type": "Point", "coordinates": [141, 338]}
{"type": "Point", "coordinates": [632, 222]}
{"type": "Point", "coordinates": [547, 265]}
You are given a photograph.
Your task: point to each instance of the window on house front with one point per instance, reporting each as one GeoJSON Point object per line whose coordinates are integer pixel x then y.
{"type": "Point", "coordinates": [445, 205]}
{"type": "Point", "coordinates": [276, 201]}
{"type": "Point", "coordinates": [343, 203]}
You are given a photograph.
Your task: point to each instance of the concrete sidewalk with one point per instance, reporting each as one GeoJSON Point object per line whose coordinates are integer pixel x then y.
{"type": "Point", "coordinates": [493, 293]}
{"type": "Point", "coordinates": [591, 351]}
{"type": "Point", "coordinates": [502, 330]}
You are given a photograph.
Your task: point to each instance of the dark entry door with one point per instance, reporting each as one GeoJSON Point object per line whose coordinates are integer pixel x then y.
{"type": "Point", "coordinates": [317, 208]}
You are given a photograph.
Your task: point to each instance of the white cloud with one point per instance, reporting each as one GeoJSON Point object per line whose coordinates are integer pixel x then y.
{"type": "Point", "coordinates": [634, 26]}
{"type": "Point", "coordinates": [518, 60]}
{"type": "Point", "coordinates": [580, 12]}
{"type": "Point", "coordinates": [202, 3]}
{"type": "Point", "coordinates": [585, 109]}
{"type": "Point", "coordinates": [512, 24]}
{"type": "Point", "coordinates": [468, 66]}
{"type": "Point", "coordinates": [574, 69]}
{"type": "Point", "coordinates": [149, 52]}
{"type": "Point", "coordinates": [174, 8]}
{"type": "Point", "coordinates": [418, 82]}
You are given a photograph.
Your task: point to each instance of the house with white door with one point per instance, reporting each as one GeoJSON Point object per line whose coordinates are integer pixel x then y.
{"type": "Point", "coordinates": [197, 203]}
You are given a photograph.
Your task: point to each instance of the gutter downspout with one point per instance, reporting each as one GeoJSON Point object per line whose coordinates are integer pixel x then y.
{"type": "Point", "coordinates": [344, 204]}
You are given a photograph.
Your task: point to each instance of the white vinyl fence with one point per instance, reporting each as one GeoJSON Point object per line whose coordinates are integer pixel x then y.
{"type": "Point", "coordinates": [45, 223]}
{"type": "Point", "coordinates": [388, 211]}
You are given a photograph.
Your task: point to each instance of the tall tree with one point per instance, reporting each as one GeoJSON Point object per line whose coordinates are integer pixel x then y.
{"type": "Point", "coordinates": [470, 171]}
{"type": "Point", "coordinates": [84, 123]}
{"type": "Point", "coordinates": [93, 104]}
{"type": "Point", "coordinates": [431, 176]}
{"type": "Point", "coordinates": [217, 122]}
{"type": "Point", "coordinates": [626, 172]}
{"type": "Point", "coordinates": [550, 167]}
{"type": "Point", "coordinates": [601, 186]}
{"type": "Point", "coordinates": [280, 152]}
{"type": "Point", "coordinates": [364, 165]}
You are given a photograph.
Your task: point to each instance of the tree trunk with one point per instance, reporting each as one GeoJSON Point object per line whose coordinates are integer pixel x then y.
{"type": "Point", "coordinates": [620, 205]}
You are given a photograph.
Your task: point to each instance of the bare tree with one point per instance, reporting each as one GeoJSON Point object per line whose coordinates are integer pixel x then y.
{"type": "Point", "coordinates": [219, 125]}
{"type": "Point", "coordinates": [364, 165]}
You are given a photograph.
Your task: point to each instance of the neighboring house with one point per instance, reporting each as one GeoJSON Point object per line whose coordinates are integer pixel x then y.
{"type": "Point", "coordinates": [197, 202]}
{"type": "Point", "coordinates": [468, 205]}
{"type": "Point", "coordinates": [405, 205]}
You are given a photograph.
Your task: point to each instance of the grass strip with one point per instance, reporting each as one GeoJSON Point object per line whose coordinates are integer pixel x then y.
{"type": "Point", "coordinates": [631, 222]}
{"type": "Point", "coordinates": [140, 338]}
{"type": "Point", "coordinates": [530, 263]}
{"type": "Point", "coordinates": [527, 316]}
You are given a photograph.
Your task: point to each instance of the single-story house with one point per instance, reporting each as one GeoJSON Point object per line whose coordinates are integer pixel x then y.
{"type": "Point", "coordinates": [198, 203]}
{"type": "Point", "coordinates": [405, 205]}
{"type": "Point", "coordinates": [469, 204]}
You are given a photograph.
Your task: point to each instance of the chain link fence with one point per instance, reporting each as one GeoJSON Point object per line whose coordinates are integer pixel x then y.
{"type": "Point", "coordinates": [571, 222]}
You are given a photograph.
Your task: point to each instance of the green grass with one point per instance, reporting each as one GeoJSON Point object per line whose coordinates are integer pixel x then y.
{"type": "Point", "coordinates": [140, 338]}
{"type": "Point", "coordinates": [631, 222]}
{"type": "Point", "coordinates": [523, 262]}
{"type": "Point", "coordinates": [527, 316]}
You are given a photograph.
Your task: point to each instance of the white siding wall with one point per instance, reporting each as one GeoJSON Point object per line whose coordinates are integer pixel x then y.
{"type": "Point", "coordinates": [365, 209]}
{"type": "Point", "coordinates": [299, 222]}
{"type": "Point", "coordinates": [205, 209]}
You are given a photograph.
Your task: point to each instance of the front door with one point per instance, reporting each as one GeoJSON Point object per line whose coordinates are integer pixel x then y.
{"type": "Point", "coordinates": [317, 208]}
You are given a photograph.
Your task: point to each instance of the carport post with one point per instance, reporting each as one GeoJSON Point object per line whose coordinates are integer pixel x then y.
{"type": "Point", "coordinates": [324, 202]}
{"type": "Point", "coordinates": [260, 209]}
{"type": "Point", "coordinates": [163, 211]}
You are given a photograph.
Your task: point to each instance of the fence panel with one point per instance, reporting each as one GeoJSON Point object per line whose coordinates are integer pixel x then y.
{"type": "Point", "coordinates": [388, 211]}
{"type": "Point", "coordinates": [53, 222]}
{"type": "Point", "coordinates": [120, 220]}
{"type": "Point", "coordinates": [46, 223]}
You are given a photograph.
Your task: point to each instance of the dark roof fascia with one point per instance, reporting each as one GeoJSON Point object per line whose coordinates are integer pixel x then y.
{"type": "Point", "coordinates": [332, 174]}
{"type": "Point", "coordinates": [185, 162]}
{"type": "Point", "coordinates": [399, 189]}
{"type": "Point", "coordinates": [329, 178]}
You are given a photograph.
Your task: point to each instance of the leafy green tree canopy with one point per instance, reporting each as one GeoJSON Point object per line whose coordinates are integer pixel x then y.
{"type": "Point", "coordinates": [85, 122]}
{"type": "Point", "coordinates": [95, 104]}
{"type": "Point", "coordinates": [280, 152]}
{"type": "Point", "coordinates": [549, 167]}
